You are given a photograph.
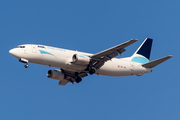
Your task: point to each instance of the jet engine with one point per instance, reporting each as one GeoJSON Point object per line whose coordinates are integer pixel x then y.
{"type": "Point", "coordinates": [55, 74]}
{"type": "Point", "coordinates": [80, 59]}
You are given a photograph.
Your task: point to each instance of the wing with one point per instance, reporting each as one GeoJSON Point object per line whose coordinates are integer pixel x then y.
{"type": "Point", "coordinates": [71, 76]}
{"type": "Point", "coordinates": [63, 82]}
{"type": "Point", "coordinates": [97, 60]}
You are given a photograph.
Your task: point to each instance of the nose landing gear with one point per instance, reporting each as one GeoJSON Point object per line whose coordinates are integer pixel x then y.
{"type": "Point", "coordinates": [26, 65]}
{"type": "Point", "coordinates": [24, 61]}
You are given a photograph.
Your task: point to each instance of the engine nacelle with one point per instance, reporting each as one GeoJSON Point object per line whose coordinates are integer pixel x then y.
{"type": "Point", "coordinates": [80, 59]}
{"type": "Point", "coordinates": [55, 74]}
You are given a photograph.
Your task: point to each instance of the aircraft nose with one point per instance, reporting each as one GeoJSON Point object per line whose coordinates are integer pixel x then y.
{"type": "Point", "coordinates": [11, 51]}
{"type": "Point", "coordinates": [14, 52]}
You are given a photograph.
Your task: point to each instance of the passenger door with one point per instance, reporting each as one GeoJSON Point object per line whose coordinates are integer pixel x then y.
{"type": "Point", "coordinates": [34, 48]}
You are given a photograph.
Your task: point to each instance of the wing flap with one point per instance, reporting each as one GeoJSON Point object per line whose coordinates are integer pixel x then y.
{"type": "Point", "coordinates": [156, 62]}
{"type": "Point", "coordinates": [71, 76]}
{"type": "Point", "coordinates": [63, 82]}
{"type": "Point", "coordinates": [82, 74]}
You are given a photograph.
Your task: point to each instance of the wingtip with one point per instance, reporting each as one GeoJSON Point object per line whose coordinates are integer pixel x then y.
{"type": "Point", "coordinates": [170, 56]}
{"type": "Point", "coordinates": [134, 40]}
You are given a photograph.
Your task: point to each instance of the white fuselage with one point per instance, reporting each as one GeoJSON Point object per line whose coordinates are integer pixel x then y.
{"type": "Point", "coordinates": [62, 58]}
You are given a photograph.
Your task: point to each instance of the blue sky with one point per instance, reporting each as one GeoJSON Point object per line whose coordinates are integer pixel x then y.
{"type": "Point", "coordinates": [90, 26]}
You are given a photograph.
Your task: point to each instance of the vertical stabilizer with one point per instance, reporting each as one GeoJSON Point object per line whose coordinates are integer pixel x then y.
{"type": "Point", "coordinates": [142, 54]}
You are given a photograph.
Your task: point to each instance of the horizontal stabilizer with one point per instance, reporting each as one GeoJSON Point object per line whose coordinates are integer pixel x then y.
{"type": "Point", "coordinates": [156, 62]}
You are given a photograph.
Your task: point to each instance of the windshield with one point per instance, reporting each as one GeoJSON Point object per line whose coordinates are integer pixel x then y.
{"type": "Point", "coordinates": [20, 46]}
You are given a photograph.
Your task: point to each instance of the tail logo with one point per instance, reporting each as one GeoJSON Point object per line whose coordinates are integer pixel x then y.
{"type": "Point", "coordinates": [142, 54]}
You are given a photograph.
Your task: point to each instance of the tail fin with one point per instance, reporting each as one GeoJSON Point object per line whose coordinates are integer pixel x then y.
{"type": "Point", "coordinates": [142, 54]}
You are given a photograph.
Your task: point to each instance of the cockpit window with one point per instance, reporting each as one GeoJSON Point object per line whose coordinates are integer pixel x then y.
{"type": "Point", "coordinates": [20, 46]}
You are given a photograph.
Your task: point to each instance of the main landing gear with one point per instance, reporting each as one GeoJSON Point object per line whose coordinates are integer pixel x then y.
{"type": "Point", "coordinates": [92, 71]}
{"type": "Point", "coordinates": [78, 79]}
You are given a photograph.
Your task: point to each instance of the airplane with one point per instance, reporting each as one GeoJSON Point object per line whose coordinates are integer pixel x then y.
{"type": "Point", "coordinates": [75, 65]}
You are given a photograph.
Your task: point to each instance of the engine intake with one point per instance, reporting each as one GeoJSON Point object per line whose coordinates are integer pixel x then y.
{"type": "Point", "coordinates": [55, 74]}
{"type": "Point", "coordinates": [80, 59]}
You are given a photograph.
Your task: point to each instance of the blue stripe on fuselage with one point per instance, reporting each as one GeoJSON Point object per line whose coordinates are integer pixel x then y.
{"type": "Point", "coordinates": [44, 52]}
{"type": "Point", "coordinates": [141, 60]}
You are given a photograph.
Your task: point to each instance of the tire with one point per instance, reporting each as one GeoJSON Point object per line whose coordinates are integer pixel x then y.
{"type": "Point", "coordinates": [78, 79]}
{"type": "Point", "coordinates": [92, 71]}
{"type": "Point", "coordinates": [26, 65]}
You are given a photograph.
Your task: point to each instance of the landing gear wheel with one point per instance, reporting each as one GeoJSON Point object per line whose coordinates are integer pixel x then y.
{"type": "Point", "coordinates": [92, 71]}
{"type": "Point", "coordinates": [26, 65]}
{"type": "Point", "coordinates": [78, 79]}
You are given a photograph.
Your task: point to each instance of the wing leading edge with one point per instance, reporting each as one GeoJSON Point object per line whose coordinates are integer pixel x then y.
{"type": "Point", "coordinates": [100, 58]}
